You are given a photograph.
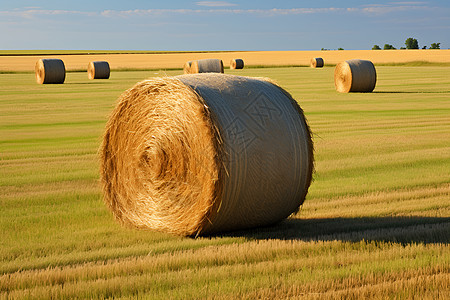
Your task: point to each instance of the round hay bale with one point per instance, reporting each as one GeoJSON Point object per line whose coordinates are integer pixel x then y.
{"type": "Point", "coordinates": [98, 70]}
{"type": "Point", "coordinates": [187, 67]}
{"type": "Point", "coordinates": [211, 65]}
{"type": "Point", "coordinates": [355, 75]}
{"type": "Point", "coordinates": [317, 62]}
{"type": "Point", "coordinates": [236, 63]}
{"type": "Point", "coordinates": [50, 70]}
{"type": "Point", "coordinates": [205, 153]}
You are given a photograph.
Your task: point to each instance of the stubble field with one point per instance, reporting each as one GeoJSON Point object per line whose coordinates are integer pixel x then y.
{"type": "Point", "coordinates": [375, 223]}
{"type": "Point", "coordinates": [23, 61]}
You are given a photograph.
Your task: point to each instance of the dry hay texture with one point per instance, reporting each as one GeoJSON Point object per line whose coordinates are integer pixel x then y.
{"type": "Point", "coordinates": [205, 153]}
{"type": "Point", "coordinates": [50, 70]}
{"type": "Point", "coordinates": [187, 67]}
{"type": "Point", "coordinates": [211, 65]}
{"type": "Point", "coordinates": [317, 62]}
{"type": "Point", "coordinates": [98, 70]}
{"type": "Point", "coordinates": [237, 63]}
{"type": "Point", "coordinates": [355, 75]}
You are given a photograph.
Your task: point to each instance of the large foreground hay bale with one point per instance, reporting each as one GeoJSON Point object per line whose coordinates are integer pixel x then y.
{"type": "Point", "coordinates": [317, 62]}
{"type": "Point", "coordinates": [50, 70]}
{"type": "Point", "coordinates": [211, 65]}
{"type": "Point", "coordinates": [187, 67]}
{"type": "Point", "coordinates": [205, 153]}
{"type": "Point", "coordinates": [236, 63]}
{"type": "Point", "coordinates": [355, 75]}
{"type": "Point", "coordinates": [98, 70]}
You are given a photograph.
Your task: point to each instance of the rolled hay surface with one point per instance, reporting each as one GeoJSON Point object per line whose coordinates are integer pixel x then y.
{"type": "Point", "coordinates": [355, 75]}
{"type": "Point", "coordinates": [187, 67]}
{"type": "Point", "coordinates": [98, 70]}
{"type": "Point", "coordinates": [207, 66]}
{"type": "Point", "coordinates": [317, 62]}
{"type": "Point", "coordinates": [50, 70]}
{"type": "Point", "coordinates": [237, 63]}
{"type": "Point", "coordinates": [205, 153]}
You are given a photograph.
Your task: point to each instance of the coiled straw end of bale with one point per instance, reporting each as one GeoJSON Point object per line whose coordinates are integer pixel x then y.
{"type": "Point", "coordinates": [187, 67]}
{"type": "Point", "coordinates": [160, 167]}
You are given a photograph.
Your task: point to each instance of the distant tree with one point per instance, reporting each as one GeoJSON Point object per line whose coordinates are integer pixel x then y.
{"type": "Point", "coordinates": [376, 47]}
{"type": "Point", "coordinates": [323, 49]}
{"type": "Point", "coordinates": [340, 48]}
{"type": "Point", "coordinates": [435, 46]}
{"type": "Point", "coordinates": [388, 47]}
{"type": "Point", "coordinates": [402, 48]}
{"type": "Point", "coordinates": [411, 43]}
{"type": "Point", "coordinates": [424, 47]}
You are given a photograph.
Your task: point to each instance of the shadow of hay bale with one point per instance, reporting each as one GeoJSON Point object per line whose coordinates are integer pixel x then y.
{"type": "Point", "coordinates": [403, 230]}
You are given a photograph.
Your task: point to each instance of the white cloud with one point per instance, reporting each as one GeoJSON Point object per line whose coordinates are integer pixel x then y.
{"type": "Point", "coordinates": [30, 13]}
{"type": "Point", "coordinates": [147, 12]}
{"type": "Point", "coordinates": [267, 12]}
{"type": "Point", "coordinates": [369, 9]}
{"type": "Point", "coordinates": [409, 3]}
{"type": "Point", "coordinates": [215, 3]}
{"type": "Point", "coordinates": [385, 9]}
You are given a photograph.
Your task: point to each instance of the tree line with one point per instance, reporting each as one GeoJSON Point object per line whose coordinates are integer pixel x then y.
{"type": "Point", "coordinates": [410, 43]}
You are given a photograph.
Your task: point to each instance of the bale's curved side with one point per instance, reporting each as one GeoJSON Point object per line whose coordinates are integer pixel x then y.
{"type": "Point", "coordinates": [205, 153]}
{"type": "Point", "coordinates": [317, 62]}
{"type": "Point", "coordinates": [237, 63]}
{"type": "Point", "coordinates": [50, 70]}
{"type": "Point", "coordinates": [355, 75]}
{"type": "Point", "coordinates": [187, 67]}
{"type": "Point", "coordinates": [98, 70]}
{"type": "Point", "coordinates": [211, 65]}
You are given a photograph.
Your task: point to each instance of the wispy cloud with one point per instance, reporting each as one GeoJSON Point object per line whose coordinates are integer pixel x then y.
{"type": "Point", "coordinates": [30, 13]}
{"type": "Point", "coordinates": [215, 3]}
{"type": "Point", "coordinates": [386, 8]}
{"type": "Point", "coordinates": [368, 9]}
{"type": "Point", "coordinates": [410, 3]}
{"type": "Point", "coordinates": [267, 12]}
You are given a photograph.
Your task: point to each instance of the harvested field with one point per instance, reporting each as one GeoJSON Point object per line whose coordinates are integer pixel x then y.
{"type": "Point", "coordinates": [255, 58]}
{"type": "Point", "coordinates": [374, 224]}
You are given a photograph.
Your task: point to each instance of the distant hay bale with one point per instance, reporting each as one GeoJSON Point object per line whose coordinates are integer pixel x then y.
{"type": "Point", "coordinates": [187, 67]}
{"type": "Point", "coordinates": [50, 70]}
{"type": "Point", "coordinates": [236, 63]}
{"type": "Point", "coordinates": [207, 66]}
{"type": "Point", "coordinates": [205, 153]}
{"type": "Point", "coordinates": [98, 70]}
{"type": "Point", "coordinates": [355, 75]}
{"type": "Point", "coordinates": [317, 62]}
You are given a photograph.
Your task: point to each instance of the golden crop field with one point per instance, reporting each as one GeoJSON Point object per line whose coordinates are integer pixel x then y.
{"type": "Point", "coordinates": [252, 58]}
{"type": "Point", "coordinates": [375, 223]}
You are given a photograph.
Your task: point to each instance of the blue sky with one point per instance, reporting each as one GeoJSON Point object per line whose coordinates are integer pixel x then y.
{"type": "Point", "coordinates": [221, 25]}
